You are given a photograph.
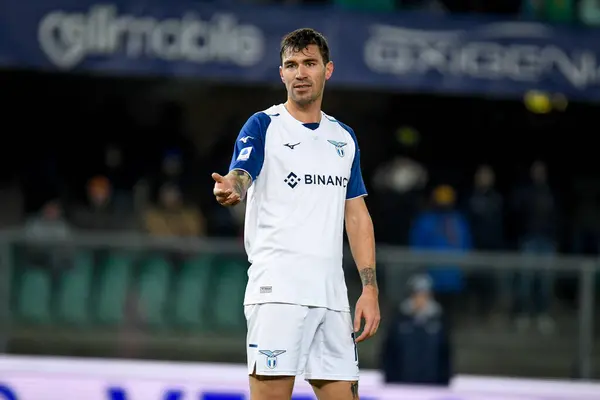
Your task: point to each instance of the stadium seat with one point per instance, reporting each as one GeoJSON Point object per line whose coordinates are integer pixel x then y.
{"type": "Point", "coordinates": [231, 285]}
{"type": "Point", "coordinates": [74, 291]}
{"type": "Point", "coordinates": [153, 291]}
{"type": "Point", "coordinates": [113, 289]}
{"type": "Point", "coordinates": [34, 296]}
{"type": "Point", "coordinates": [192, 292]}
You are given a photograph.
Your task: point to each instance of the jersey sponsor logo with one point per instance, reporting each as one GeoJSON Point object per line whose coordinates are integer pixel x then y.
{"type": "Point", "coordinates": [244, 154]}
{"type": "Point", "coordinates": [325, 180]}
{"type": "Point", "coordinates": [245, 139]}
{"type": "Point", "coordinates": [271, 357]}
{"type": "Point", "coordinates": [293, 180]}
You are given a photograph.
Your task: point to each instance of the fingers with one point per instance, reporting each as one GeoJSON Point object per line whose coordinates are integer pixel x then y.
{"type": "Point", "coordinates": [366, 331]}
{"type": "Point", "coordinates": [222, 193]}
{"type": "Point", "coordinates": [372, 320]}
{"type": "Point", "coordinates": [218, 178]}
{"type": "Point", "coordinates": [375, 326]}
{"type": "Point", "coordinates": [232, 200]}
{"type": "Point", "coordinates": [357, 319]}
{"type": "Point", "coordinates": [227, 198]}
{"type": "Point", "coordinates": [359, 315]}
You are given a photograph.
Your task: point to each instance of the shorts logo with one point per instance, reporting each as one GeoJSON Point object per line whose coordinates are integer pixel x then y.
{"type": "Point", "coordinates": [271, 357]}
{"type": "Point", "coordinates": [339, 147]}
{"type": "Point", "coordinates": [292, 180]}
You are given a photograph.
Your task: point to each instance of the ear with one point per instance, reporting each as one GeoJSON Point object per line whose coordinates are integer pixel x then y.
{"type": "Point", "coordinates": [328, 70]}
{"type": "Point", "coordinates": [281, 74]}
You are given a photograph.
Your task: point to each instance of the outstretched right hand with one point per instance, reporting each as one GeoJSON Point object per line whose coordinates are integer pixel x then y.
{"type": "Point", "coordinates": [224, 190]}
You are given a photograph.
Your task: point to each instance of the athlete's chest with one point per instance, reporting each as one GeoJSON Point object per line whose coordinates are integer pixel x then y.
{"type": "Point", "coordinates": [325, 150]}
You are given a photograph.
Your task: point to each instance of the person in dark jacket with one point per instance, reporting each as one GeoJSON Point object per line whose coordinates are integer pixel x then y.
{"type": "Point", "coordinates": [536, 209]}
{"type": "Point", "coordinates": [485, 212]}
{"type": "Point", "coordinates": [416, 349]}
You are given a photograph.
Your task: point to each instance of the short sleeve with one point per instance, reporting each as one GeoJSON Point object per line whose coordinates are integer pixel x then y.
{"type": "Point", "coordinates": [249, 149]}
{"type": "Point", "coordinates": [356, 185]}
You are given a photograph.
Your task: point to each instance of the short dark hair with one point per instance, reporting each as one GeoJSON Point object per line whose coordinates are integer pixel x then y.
{"type": "Point", "coordinates": [301, 39]}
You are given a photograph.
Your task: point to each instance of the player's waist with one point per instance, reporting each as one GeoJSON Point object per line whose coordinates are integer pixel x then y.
{"type": "Point", "coordinates": [316, 285]}
{"type": "Point", "coordinates": [270, 257]}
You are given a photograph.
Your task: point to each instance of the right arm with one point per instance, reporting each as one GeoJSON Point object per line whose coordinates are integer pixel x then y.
{"type": "Point", "coordinates": [231, 188]}
{"type": "Point", "coordinates": [241, 181]}
{"type": "Point", "coordinates": [246, 162]}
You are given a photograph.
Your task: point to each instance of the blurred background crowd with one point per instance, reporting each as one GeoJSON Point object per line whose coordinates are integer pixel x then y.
{"type": "Point", "coordinates": [113, 156]}
{"type": "Point", "coordinates": [555, 11]}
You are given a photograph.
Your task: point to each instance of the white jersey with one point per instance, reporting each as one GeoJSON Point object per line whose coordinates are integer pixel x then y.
{"type": "Point", "coordinates": [302, 176]}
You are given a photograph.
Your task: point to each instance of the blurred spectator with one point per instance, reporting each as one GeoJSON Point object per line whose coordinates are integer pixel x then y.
{"type": "Point", "coordinates": [172, 167]}
{"type": "Point", "coordinates": [171, 172]}
{"type": "Point", "coordinates": [416, 348]}
{"type": "Point", "coordinates": [589, 12]}
{"type": "Point", "coordinates": [443, 228]}
{"type": "Point", "coordinates": [399, 185]}
{"type": "Point", "coordinates": [47, 225]}
{"type": "Point", "coordinates": [486, 217]}
{"type": "Point", "coordinates": [172, 218]}
{"type": "Point", "coordinates": [536, 210]}
{"type": "Point", "coordinates": [116, 172]}
{"type": "Point", "coordinates": [100, 212]}
{"type": "Point", "coordinates": [485, 211]}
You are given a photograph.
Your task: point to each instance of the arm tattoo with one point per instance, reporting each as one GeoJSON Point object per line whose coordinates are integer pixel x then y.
{"type": "Point", "coordinates": [354, 390]}
{"type": "Point", "coordinates": [241, 182]}
{"type": "Point", "coordinates": [368, 276]}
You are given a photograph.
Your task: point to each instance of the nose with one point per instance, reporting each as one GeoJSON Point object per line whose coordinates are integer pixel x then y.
{"type": "Point", "coordinates": [301, 72]}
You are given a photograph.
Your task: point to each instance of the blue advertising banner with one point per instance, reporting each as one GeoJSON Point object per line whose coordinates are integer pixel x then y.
{"type": "Point", "coordinates": [403, 52]}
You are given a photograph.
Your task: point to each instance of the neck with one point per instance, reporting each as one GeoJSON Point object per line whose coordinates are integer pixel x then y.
{"type": "Point", "coordinates": [306, 114]}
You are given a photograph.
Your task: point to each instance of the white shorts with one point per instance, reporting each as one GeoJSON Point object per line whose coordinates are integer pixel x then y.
{"type": "Point", "coordinates": [290, 340]}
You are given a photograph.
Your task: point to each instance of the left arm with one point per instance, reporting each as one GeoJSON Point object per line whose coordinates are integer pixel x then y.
{"type": "Point", "coordinates": [359, 228]}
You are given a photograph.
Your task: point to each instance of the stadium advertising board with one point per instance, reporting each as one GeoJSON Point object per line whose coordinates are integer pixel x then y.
{"type": "Point", "coordinates": [416, 52]}
{"type": "Point", "coordinates": [33, 378]}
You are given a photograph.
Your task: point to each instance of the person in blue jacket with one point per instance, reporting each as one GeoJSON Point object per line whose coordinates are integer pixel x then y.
{"type": "Point", "coordinates": [442, 228]}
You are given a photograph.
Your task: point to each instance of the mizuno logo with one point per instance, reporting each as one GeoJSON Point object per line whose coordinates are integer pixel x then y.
{"type": "Point", "coordinates": [245, 139]}
{"type": "Point", "coordinates": [291, 146]}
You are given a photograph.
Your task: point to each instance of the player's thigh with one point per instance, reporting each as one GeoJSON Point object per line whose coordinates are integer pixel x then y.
{"type": "Point", "coordinates": [333, 355]}
{"type": "Point", "coordinates": [274, 340]}
{"type": "Point", "coordinates": [264, 387]}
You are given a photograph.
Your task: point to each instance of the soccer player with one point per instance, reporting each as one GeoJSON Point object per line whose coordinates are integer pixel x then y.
{"type": "Point", "coordinates": [299, 171]}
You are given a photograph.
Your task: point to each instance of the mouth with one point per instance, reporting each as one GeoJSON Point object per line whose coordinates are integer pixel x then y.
{"type": "Point", "coordinates": [302, 86]}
